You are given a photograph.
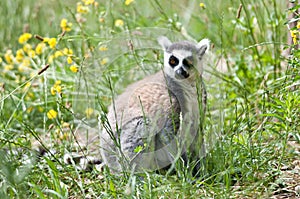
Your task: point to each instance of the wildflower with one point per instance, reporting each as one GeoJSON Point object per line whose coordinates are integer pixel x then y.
{"type": "Point", "coordinates": [295, 40]}
{"type": "Point", "coordinates": [103, 48]}
{"type": "Point", "coordinates": [119, 23]}
{"type": "Point", "coordinates": [8, 56]}
{"type": "Point", "coordinates": [82, 9]}
{"type": "Point", "coordinates": [40, 48]}
{"type": "Point", "coordinates": [69, 60]}
{"type": "Point", "coordinates": [1, 60]}
{"type": "Point", "coordinates": [25, 65]}
{"type": "Point", "coordinates": [24, 38]}
{"type": "Point", "coordinates": [127, 2]}
{"type": "Point", "coordinates": [67, 51]}
{"type": "Point", "coordinates": [293, 33]}
{"type": "Point", "coordinates": [66, 125]}
{"type": "Point", "coordinates": [50, 59]}
{"type": "Point", "coordinates": [58, 53]}
{"type": "Point", "coordinates": [65, 26]}
{"type": "Point", "coordinates": [298, 25]}
{"type": "Point", "coordinates": [8, 67]}
{"type": "Point", "coordinates": [52, 42]}
{"type": "Point", "coordinates": [74, 68]}
{"type": "Point", "coordinates": [46, 39]}
{"type": "Point", "coordinates": [89, 112]}
{"type": "Point", "coordinates": [202, 5]}
{"type": "Point", "coordinates": [19, 55]}
{"type": "Point", "coordinates": [294, 36]}
{"type": "Point", "coordinates": [104, 61]}
{"type": "Point", "coordinates": [52, 114]}
{"type": "Point", "coordinates": [21, 68]}
{"type": "Point", "coordinates": [26, 48]}
{"type": "Point", "coordinates": [88, 2]}
{"type": "Point", "coordinates": [31, 53]}
{"type": "Point", "coordinates": [56, 88]}
{"type": "Point", "coordinates": [27, 86]}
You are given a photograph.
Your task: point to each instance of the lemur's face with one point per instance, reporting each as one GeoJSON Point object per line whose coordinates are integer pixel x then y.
{"type": "Point", "coordinates": [180, 64]}
{"type": "Point", "coordinates": [182, 60]}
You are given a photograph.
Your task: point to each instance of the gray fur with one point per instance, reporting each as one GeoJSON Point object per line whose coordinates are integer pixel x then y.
{"type": "Point", "coordinates": [160, 115]}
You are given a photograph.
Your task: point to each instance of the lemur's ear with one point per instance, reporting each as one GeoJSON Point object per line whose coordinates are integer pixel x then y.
{"type": "Point", "coordinates": [203, 47]}
{"type": "Point", "coordinates": [164, 42]}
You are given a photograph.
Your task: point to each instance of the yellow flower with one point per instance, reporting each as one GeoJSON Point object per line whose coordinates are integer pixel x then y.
{"type": "Point", "coordinates": [66, 125]}
{"type": "Point", "coordinates": [88, 2]}
{"type": "Point", "coordinates": [52, 91]}
{"type": "Point", "coordinates": [56, 88]}
{"type": "Point", "coordinates": [63, 23]}
{"type": "Point", "coordinates": [104, 61]}
{"type": "Point", "coordinates": [58, 53]}
{"type": "Point", "coordinates": [69, 60]}
{"type": "Point", "coordinates": [67, 51]}
{"type": "Point", "coordinates": [26, 48]}
{"type": "Point", "coordinates": [8, 67]}
{"type": "Point", "coordinates": [295, 40]}
{"type": "Point", "coordinates": [74, 68]}
{"type": "Point", "coordinates": [46, 39]}
{"type": "Point", "coordinates": [24, 66]}
{"type": "Point", "coordinates": [293, 33]}
{"type": "Point", "coordinates": [298, 25]}
{"type": "Point", "coordinates": [119, 23]}
{"type": "Point", "coordinates": [27, 85]}
{"type": "Point", "coordinates": [40, 48]}
{"type": "Point", "coordinates": [127, 2]}
{"type": "Point", "coordinates": [24, 38]}
{"type": "Point", "coordinates": [50, 59]}
{"type": "Point", "coordinates": [82, 9]}
{"type": "Point", "coordinates": [31, 53]}
{"type": "Point", "coordinates": [1, 60]}
{"type": "Point", "coordinates": [65, 26]}
{"type": "Point", "coordinates": [52, 42]}
{"type": "Point", "coordinates": [19, 55]}
{"type": "Point", "coordinates": [294, 36]}
{"type": "Point", "coordinates": [52, 114]}
{"type": "Point", "coordinates": [202, 5]}
{"type": "Point", "coordinates": [8, 56]}
{"type": "Point", "coordinates": [26, 62]}
{"type": "Point", "coordinates": [103, 48]}
{"type": "Point", "coordinates": [89, 112]}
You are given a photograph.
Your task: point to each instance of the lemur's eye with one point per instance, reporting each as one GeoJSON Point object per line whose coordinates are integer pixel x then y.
{"type": "Point", "coordinates": [187, 63]}
{"type": "Point", "coordinates": [173, 61]}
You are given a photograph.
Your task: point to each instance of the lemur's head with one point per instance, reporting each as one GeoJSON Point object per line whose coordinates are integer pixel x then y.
{"type": "Point", "coordinates": [183, 60]}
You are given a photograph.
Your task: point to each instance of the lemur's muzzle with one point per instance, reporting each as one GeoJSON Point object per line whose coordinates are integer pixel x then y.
{"type": "Point", "coordinates": [181, 73]}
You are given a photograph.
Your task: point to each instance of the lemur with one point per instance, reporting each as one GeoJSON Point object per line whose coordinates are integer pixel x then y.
{"type": "Point", "coordinates": [159, 119]}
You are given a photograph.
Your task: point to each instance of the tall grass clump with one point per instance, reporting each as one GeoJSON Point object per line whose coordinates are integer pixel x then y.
{"type": "Point", "coordinates": [62, 63]}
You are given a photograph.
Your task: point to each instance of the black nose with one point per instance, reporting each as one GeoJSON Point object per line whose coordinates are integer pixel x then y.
{"type": "Point", "coordinates": [181, 73]}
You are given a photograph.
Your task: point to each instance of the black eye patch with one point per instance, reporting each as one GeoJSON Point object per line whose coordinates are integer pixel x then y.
{"type": "Point", "coordinates": [188, 63]}
{"type": "Point", "coordinates": [173, 61]}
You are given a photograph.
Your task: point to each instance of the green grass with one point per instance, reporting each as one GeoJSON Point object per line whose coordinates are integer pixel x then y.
{"type": "Point", "coordinates": [257, 98]}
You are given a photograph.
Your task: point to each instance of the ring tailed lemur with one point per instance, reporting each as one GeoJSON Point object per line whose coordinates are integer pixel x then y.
{"type": "Point", "coordinates": [159, 118]}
